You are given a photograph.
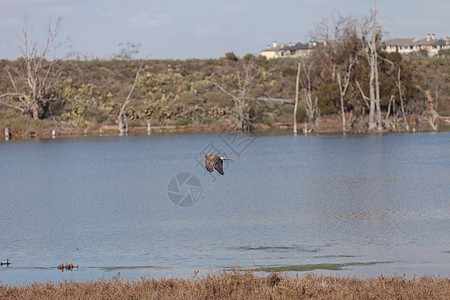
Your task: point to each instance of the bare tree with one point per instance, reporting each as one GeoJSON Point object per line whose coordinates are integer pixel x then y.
{"type": "Point", "coordinates": [398, 83]}
{"type": "Point", "coordinates": [242, 93]}
{"type": "Point", "coordinates": [434, 85]}
{"type": "Point", "coordinates": [338, 36]}
{"type": "Point", "coordinates": [343, 87]}
{"type": "Point", "coordinates": [122, 117]}
{"type": "Point", "coordinates": [431, 110]}
{"type": "Point", "coordinates": [33, 79]}
{"type": "Point", "coordinates": [128, 51]}
{"type": "Point", "coordinates": [370, 38]}
{"type": "Point", "coordinates": [339, 52]}
{"type": "Point", "coordinates": [346, 52]}
{"type": "Point", "coordinates": [326, 54]}
{"type": "Point", "coordinates": [311, 107]}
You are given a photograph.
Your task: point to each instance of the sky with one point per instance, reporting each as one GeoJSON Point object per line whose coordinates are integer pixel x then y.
{"type": "Point", "coordinates": [185, 29]}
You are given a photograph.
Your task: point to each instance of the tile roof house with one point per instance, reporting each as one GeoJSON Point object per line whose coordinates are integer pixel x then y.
{"type": "Point", "coordinates": [288, 50]}
{"type": "Point", "coordinates": [429, 44]}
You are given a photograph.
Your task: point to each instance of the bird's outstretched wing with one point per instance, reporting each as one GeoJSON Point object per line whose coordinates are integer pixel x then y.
{"type": "Point", "coordinates": [210, 161]}
{"type": "Point", "coordinates": [219, 166]}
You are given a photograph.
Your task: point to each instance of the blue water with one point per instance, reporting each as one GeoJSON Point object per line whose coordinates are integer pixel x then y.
{"type": "Point", "coordinates": [372, 204]}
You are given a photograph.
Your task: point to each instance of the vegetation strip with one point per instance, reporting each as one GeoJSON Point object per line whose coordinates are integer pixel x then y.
{"type": "Point", "coordinates": [124, 268]}
{"type": "Point", "coordinates": [238, 284]}
{"type": "Point", "coordinates": [311, 267]}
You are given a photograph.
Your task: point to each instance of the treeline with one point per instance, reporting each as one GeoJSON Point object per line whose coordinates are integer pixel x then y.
{"type": "Point", "coordinates": [175, 92]}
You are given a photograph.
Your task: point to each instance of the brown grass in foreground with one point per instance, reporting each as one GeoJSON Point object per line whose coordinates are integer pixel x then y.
{"type": "Point", "coordinates": [239, 285]}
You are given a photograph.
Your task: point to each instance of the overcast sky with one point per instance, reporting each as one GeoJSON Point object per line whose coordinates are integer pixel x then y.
{"type": "Point", "coordinates": [181, 29]}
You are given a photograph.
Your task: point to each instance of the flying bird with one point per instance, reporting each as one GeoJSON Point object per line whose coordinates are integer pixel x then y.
{"type": "Point", "coordinates": [213, 161]}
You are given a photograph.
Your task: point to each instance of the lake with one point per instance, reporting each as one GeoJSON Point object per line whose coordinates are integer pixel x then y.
{"type": "Point", "coordinates": [359, 205]}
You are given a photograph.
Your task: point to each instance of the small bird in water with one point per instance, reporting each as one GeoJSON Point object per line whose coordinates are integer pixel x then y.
{"type": "Point", "coordinates": [7, 263]}
{"type": "Point", "coordinates": [213, 161]}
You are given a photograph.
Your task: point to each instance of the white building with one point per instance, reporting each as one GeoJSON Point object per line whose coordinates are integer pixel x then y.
{"type": "Point", "coordinates": [288, 50]}
{"type": "Point", "coordinates": [429, 44]}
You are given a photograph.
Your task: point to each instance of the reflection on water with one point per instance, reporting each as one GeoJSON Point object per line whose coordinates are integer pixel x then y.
{"type": "Point", "coordinates": [358, 205]}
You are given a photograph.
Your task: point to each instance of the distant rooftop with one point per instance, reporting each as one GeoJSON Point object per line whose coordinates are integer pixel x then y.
{"type": "Point", "coordinates": [288, 50]}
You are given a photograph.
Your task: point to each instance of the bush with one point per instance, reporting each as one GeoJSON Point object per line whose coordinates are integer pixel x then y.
{"type": "Point", "coordinates": [13, 119]}
{"type": "Point", "coordinates": [183, 122]}
{"type": "Point", "coordinates": [289, 72]}
{"type": "Point", "coordinates": [328, 110]}
{"type": "Point", "coordinates": [301, 114]}
{"type": "Point", "coordinates": [93, 112]}
{"type": "Point", "coordinates": [230, 56]}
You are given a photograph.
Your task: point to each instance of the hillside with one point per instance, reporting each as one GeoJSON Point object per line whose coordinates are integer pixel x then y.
{"type": "Point", "coordinates": [194, 92]}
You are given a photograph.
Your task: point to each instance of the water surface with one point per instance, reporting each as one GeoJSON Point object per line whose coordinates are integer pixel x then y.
{"type": "Point", "coordinates": [359, 205]}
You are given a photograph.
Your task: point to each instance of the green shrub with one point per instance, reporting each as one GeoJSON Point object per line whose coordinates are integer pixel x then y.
{"type": "Point", "coordinates": [301, 114]}
{"type": "Point", "coordinates": [183, 122]}
{"type": "Point", "coordinates": [11, 118]}
{"type": "Point", "coordinates": [205, 121]}
{"type": "Point", "coordinates": [230, 56]}
{"type": "Point", "coordinates": [289, 72]}
{"type": "Point", "coordinates": [328, 110]}
{"type": "Point", "coordinates": [93, 112]}
{"type": "Point", "coordinates": [266, 120]}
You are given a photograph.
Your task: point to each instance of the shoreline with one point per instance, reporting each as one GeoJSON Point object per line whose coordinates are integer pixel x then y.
{"type": "Point", "coordinates": [237, 284]}
{"type": "Point", "coordinates": [328, 125]}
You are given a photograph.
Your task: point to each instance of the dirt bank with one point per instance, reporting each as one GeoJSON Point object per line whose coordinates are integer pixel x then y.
{"type": "Point", "coordinates": [325, 125]}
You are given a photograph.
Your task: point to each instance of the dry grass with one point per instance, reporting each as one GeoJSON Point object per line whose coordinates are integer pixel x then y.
{"type": "Point", "coordinates": [239, 285]}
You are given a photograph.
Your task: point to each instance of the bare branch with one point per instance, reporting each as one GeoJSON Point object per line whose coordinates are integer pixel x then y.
{"type": "Point", "coordinates": [235, 99]}
{"type": "Point", "coordinates": [273, 100]}
{"type": "Point", "coordinates": [365, 98]}
{"type": "Point", "coordinates": [6, 103]}
{"type": "Point", "coordinates": [12, 80]}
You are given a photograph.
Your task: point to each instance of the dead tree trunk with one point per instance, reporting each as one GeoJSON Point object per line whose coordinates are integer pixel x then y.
{"type": "Point", "coordinates": [343, 87]}
{"type": "Point", "coordinates": [296, 97]}
{"type": "Point", "coordinates": [398, 82]}
{"type": "Point", "coordinates": [375, 121]}
{"type": "Point", "coordinates": [375, 69]}
{"type": "Point", "coordinates": [391, 104]}
{"type": "Point", "coordinates": [366, 100]}
{"type": "Point", "coordinates": [311, 107]}
{"type": "Point", "coordinates": [122, 118]}
{"type": "Point", "coordinates": [432, 110]}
